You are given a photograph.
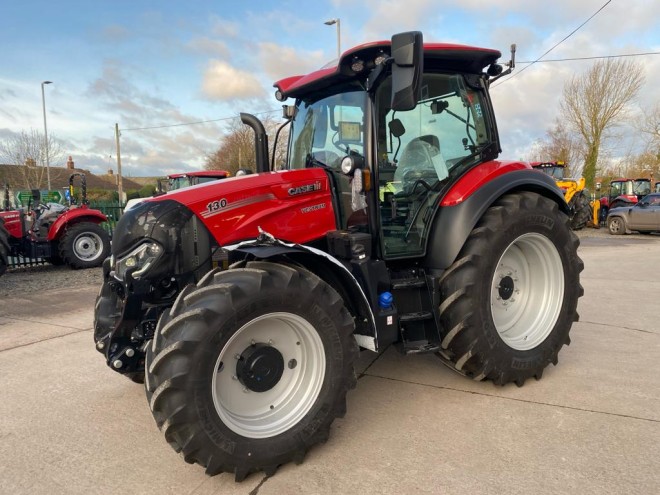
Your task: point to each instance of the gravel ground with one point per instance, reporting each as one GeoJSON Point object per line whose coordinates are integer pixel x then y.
{"type": "Point", "coordinates": [30, 279]}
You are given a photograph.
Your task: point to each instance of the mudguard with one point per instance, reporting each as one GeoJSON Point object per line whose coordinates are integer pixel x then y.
{"type": "Point", "coordinates": [324, 266]}
{"type": "Point", "coordinates": [454, 223]}
{"type": "Point", "coordinates": [74, 215]}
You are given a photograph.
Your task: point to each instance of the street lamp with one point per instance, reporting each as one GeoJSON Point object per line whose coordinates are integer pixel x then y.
{"type": "Point", "coordinates": [337, 22]}
{"type": "Point", "coordinates": [43, 104]}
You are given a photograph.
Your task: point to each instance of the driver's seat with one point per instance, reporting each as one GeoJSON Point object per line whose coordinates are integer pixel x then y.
{"type": "Point", "coordinates": [417, 162]}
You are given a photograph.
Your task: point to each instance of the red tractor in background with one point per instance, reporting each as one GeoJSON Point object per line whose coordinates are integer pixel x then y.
{"type": "Point", "coordinates": [393, 222]}
{"type": "Point", "coordinates": [60, 234]}
{"type": "Point", "coordinates": [174, 182]}
{"type": "Point", "coordinates": [623, 192]}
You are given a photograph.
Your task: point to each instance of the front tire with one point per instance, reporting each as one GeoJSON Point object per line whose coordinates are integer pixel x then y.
{"type": "Point", "coordinates": [84, 245]}
{"type": "Point", "coordinates": [510, 298]}
{"type": "Point", "coordinates": [582, 212]}
{"type": "Point", "coordinates": [250, 367]}
{"type": "Point", "coordinates": [616, 226]}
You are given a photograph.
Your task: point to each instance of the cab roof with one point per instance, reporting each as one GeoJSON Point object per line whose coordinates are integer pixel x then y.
{"type": "Point", "coordinates": [200, 173]}
{"type": "Point", "coordinates": [439, 56]}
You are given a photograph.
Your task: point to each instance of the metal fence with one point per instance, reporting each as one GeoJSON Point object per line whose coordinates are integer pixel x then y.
{"type": "Point", "coordinates": [112, 210]}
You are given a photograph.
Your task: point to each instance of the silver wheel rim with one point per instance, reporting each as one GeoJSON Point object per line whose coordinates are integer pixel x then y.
{"type": "Point", "coordinates": [527, 291]}
{"type": "Point", "coordinates": [615, 225]}
{"type": "Point", "coordinates": [269, 413]}
{"type": "Point", "coordinates": [87, 246]}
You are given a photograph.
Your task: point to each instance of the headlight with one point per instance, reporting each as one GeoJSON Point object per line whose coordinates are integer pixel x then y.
{"type": "Point", "coordinates": [141, 259]}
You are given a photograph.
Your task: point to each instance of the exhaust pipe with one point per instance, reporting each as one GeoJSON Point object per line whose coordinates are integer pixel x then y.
{"type": "Point", "coordinates": [260, 141]}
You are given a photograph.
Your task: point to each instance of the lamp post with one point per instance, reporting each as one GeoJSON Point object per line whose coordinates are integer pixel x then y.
{"type": "Point", "coordinates": [43, 104]}
{"type": "Point", "coordinates": [336, 22]}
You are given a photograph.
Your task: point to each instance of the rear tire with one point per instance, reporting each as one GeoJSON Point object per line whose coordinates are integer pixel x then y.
{"type": "Point", "coordinates": [4, 247]}
{"type": "Point", "coordinates": [250, 367]}
{"type": "Point", "coordinates": [84, 245]}
{"type": "Point", "coordinates": [510, 298]}
{"type": "Point", "coordinates": [582, 212]}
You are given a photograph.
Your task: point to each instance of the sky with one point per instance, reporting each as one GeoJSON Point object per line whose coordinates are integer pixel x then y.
{"type": "Point", "coordinates": [144, 63]}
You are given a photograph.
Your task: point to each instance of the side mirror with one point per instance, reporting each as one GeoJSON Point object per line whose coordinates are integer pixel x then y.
{"type": "Point", "coordinates": [407, 69]}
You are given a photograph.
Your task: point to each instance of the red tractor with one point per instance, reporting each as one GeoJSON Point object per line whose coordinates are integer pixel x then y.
{"type": "Point", "coordinates": [392, 223]}
{"type": "Point", "coordinates": [174, 182]}
{"type": "Point", "coordinates": [60, 234]}
{"type": "Point", "coordinates": [623, 192]}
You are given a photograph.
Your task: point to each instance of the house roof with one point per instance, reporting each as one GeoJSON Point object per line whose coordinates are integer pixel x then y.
{"type": "Point", "coordinates": [24, 177]}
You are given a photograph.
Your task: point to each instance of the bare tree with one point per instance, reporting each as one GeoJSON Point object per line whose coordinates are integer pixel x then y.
{"type": "Point", "coordinates": [29, 150]}
{"type": "Point", "coordinates": [596, 101]}
{"type": "Point", "coordinates": [237, 147]}
{"type": "Point", "coordinates": [561, 144]}
{"type": "Point", "coordinates": [650, 128]}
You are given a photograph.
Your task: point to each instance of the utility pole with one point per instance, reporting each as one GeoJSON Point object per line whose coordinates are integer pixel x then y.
{"type": "Point", "coordinates": [43, 104]}
{"type": "Point", "coordinates": [120, 188]}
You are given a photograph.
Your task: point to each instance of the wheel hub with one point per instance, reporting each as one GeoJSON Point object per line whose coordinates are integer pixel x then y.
{"type": "Point", "coordinates": [260, 367]}
{"type": "Point", "coordinates": [506, 287]}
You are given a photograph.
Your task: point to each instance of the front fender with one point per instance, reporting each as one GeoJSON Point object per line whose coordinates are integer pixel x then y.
{"type": "Point", "coordinates": [75, 215]}
{"type": "Point", "coordinates": [326, 267]}
{"type": "Point", "coordinates": [453, 224]}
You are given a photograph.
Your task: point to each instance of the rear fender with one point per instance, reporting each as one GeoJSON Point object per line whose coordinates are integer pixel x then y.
{"type": "Point", "coordinates": [453, 224]}
{"type": "Point", "coordinates": [326, 267]}
{"type": "Point", "coordinates": [73, 216]}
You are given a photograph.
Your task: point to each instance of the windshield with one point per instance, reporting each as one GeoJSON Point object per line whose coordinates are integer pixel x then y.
{"type": "Point", "coordinates": [554, 172]}
{"type": "Point", "coordinates": [325, 131]}
{"type": "Point", "coordinates": [642, 187]}
{"type": "Point", "coordinates": [419, 149]}
{"type": "Point", "coordinates": [178, 183]}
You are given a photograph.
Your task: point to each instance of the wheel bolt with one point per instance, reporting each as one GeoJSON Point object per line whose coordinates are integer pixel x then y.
{"type": "Point", "coordinates": [130, 352]}
{"type": "Point", "coordinates": [246, 390]}
{"type": "Point", "coordinates": [117, 363]}
{"type": "Point", "coordinates": [234, 377]}
{"type": "Point", "coordinates": [100, 345]}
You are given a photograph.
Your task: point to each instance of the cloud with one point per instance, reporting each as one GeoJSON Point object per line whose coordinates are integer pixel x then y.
{"type": "Point", "coordinates": [208, 46]}
{"type": "Point", "coordinates": [223, 28]}
{"type": "Point", "coordinates": [221, 81]}
{"type": "Point", "coordinates": [283, 61]}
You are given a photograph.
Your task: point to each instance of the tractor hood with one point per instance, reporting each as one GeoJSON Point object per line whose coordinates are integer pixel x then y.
{"type": "Point", "coordinates": [295, 203]}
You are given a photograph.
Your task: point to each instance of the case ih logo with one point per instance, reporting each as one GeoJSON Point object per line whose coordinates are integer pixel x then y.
{"type": "Point", "coordinates": [294, 191]}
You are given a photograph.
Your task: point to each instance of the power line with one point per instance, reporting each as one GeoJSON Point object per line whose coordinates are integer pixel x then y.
{"type": "Point", "coordinates": [193, 123]}
{"type": "Point", "coordinates": [590, 58]}
{"type": "Point", "coordinates": [557, 44]}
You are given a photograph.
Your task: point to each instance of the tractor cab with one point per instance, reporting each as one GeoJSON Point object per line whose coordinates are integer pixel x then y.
{"type": "Point", "coordinates": [556, 170]}
{"type": "Point", "coordinates": [390, 161]}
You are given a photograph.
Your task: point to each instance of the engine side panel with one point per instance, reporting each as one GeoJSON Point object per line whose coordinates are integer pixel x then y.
{"type": "Point", "coordinates": [12, 223]}
{"type": "Point", "coordinates": [293, 205]}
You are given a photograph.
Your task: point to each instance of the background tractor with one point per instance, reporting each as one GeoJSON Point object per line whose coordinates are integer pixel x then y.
{"type": "Point", "coordinates": [623, 192]}
{"type": "Point", "coordinates": [174, 182]}
{"type": "Point", "coordinates": [4, 247]}
{"type": "Point", "coordinates": [392, 223]}
{"type": "Point", "coordinates": [583, 210]}
{"type": "Point", "coordinates": [70, 235]}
